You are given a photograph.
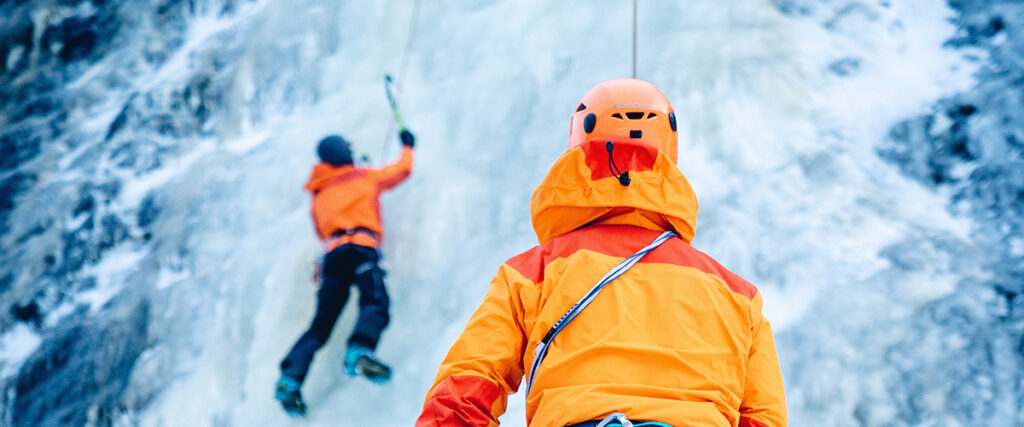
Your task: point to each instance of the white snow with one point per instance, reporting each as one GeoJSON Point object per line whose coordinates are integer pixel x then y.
{"type": "Point", "coordinates": [109, 274]}
{"type": "Point", "coordinates": [136, 187]}
{"type": "Point", "coordinates": [16, 345]}
{"type": "Point", "coordinates": [109, 280]}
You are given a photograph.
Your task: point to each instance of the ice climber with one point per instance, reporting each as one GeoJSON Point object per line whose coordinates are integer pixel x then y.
{"type": "Point", "coordinates": [674, 339]}
{"type": "Point", "coordinates": [345, 213]}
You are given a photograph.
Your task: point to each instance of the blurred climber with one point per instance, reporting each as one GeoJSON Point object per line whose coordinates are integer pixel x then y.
{"type": "Point", "coordinates": [614, 320]}
{"type": "Point", "coordinates": [345, 213]}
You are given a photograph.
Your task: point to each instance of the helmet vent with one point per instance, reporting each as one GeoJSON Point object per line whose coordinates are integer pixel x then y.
{"type": "Point", "coordinates": [635, 115]}
{"type": "Point", "coordinates": [618, 116]}
{"type": "Point", "coordinates": [581, 107]}
{"type": "Point", "coordinates": [651, 115]}
{"type": "Point", "coordinates": [589, 122]}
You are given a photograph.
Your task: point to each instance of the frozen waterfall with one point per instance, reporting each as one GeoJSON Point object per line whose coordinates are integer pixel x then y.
{"type": "Point", "coordinates": [158, 251]}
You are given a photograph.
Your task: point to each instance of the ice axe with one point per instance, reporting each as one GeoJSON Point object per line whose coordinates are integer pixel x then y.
{"type": "Point", "coordinates": [388, 90]}
{"type": "Point", "coordinates": [388, 85]}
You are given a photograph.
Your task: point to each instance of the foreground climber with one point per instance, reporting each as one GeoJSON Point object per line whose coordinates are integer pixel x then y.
{"type": "Point", "coordinates": [672, 337]}
{"type": "Point", "coordinates": [348, 223]}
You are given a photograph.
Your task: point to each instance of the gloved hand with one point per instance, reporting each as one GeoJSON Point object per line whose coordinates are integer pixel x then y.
{"type": "Point", "coordinates": [407, 138]}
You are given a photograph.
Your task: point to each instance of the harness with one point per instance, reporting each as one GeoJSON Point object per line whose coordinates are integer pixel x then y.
{"type": "Point", "coordinates": [335, 239]}
{"type": "Point", "coordinates": [542, 347]}
{"type": "Point", "coordinates": [617, 419]}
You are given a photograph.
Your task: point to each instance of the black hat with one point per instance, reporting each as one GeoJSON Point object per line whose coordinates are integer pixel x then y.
{"type": "Point", "coordinates": [335, 150]}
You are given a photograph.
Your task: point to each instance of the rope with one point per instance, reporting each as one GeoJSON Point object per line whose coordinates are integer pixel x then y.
{"type": "Point", "coordinates": [541, 350]}
{"type": "Point", "coordinates": [411, 35]}
{"type": "Point", "coordinates": [634, 38]}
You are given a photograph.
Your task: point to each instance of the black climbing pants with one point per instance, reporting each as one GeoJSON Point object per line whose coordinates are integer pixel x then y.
{"type": "Point", "coordinates": [343, 267]}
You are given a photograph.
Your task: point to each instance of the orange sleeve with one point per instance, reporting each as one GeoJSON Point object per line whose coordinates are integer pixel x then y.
{"type": "Point", "coordinates": [393, 174]}
{"type": "Point", "coordinates": [764, 399]}
{"type": "Point", "coordinates": [483, 366]}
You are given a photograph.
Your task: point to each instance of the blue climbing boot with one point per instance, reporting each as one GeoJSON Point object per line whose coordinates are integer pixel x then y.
{"type": "Point", "coordinates": [359, 360]}
{"type": "Point", "coordinates": [287, 392]}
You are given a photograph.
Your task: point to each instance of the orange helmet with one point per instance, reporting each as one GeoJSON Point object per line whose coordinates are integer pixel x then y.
{"type": "Point", "coordinates": [625, 108]}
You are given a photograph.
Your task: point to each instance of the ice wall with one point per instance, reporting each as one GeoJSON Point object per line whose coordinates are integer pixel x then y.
{"type": "Point", "coordinates": [158, 250]}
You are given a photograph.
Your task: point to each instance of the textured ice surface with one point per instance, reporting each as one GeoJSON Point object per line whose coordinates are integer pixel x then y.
{"type": "Point", "coordinates": [158, 248]}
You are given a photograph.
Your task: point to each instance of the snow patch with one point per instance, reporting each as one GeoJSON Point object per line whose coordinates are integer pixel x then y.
{"type": "Point", "coordinates": [16, 345]}
{"type": "Point", "coordinates": [109, 274]}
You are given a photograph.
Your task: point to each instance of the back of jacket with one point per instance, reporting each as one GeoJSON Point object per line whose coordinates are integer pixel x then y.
{"type": "Point", "coordinates": [347, 198]}
{"type": "Point", "coordinates": [677, 339]}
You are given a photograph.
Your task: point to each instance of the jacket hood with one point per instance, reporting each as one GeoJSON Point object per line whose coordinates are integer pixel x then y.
{"type": "Point", "coordinates": [581, 189]}
{"type": "Point", "coordinates": [325, 173]}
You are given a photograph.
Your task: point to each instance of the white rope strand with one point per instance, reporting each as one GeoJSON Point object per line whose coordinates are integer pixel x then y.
{"type": "Point", "coordinates": [541, 350]}
{"type": "Point", "coordinates": [410, 36]}
{"type": "Point", "coordinates": [634, 38]}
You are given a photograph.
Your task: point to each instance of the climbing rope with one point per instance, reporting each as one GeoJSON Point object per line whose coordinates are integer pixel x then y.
{"type": "Point", "coordinates": [411, 35]}
{"type": "Point", "coordinates": [634, 38]}
{"type": "Point", "coordinates": [408, 40]}
{"type": "Point", "coordinates": [541, 350]}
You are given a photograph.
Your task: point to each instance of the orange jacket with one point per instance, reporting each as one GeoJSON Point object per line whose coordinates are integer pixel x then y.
{"type": "Point", "coordinates": [677, 339]}
{"type": "Point", "coordinates": [346, 198]}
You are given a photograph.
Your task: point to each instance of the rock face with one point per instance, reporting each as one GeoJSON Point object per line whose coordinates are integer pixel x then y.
{"type": "Point", "coordinates": [955, 360]}
{"type": "Point", "coordinates": [78, 376]}
{"type": "Point", "coordinates": [972, 147]}
{"type": "Point", "coordinates": [65, 163]}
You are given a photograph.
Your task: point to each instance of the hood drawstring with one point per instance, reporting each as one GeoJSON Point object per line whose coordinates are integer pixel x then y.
{"type": "Point", "coordinates": [613, 168]}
